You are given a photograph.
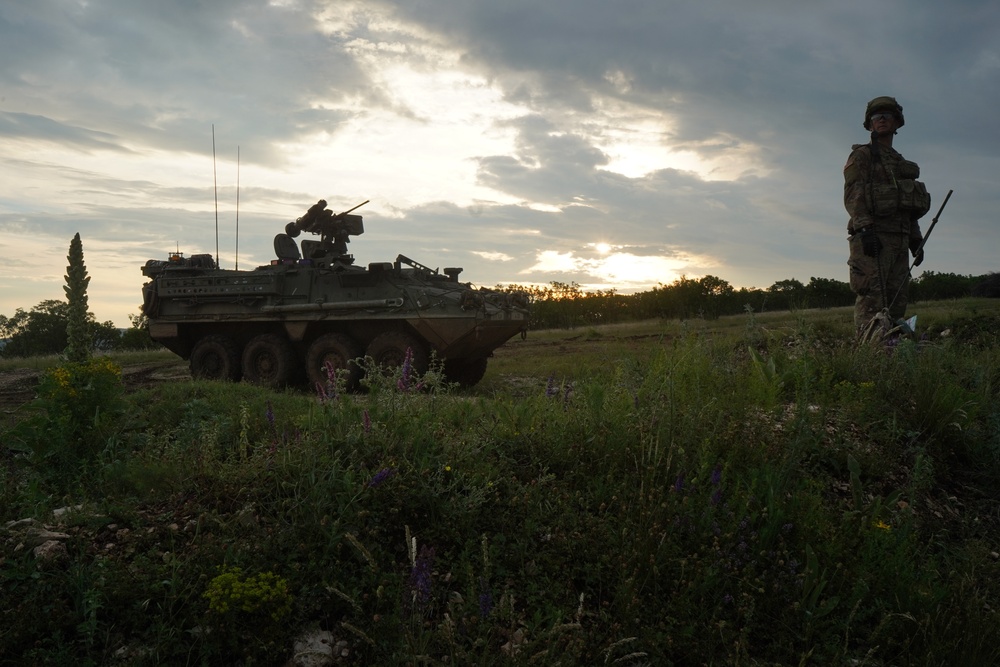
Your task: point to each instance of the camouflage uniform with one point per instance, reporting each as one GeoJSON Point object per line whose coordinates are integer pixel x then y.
{"type": "Point", "coordinates": [881, 193]}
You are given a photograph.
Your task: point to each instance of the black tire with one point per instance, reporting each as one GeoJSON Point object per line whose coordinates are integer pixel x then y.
{"type": "Point", "coordinates": [268, 360]}
{"type": "Point", "coordinates": [215, 358]}
{"type": "Point", "coordinates": [341, 351]}
{"type": "Point", "coordinates": [466, 372]}
{"type": "Point", "coordinates": [388, 351]}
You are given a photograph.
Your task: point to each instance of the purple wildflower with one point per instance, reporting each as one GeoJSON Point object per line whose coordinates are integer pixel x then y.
{"type": "Point", "coordinates": [403, 384]}
{"type": "Point", "coordinates": [381, 476]}
{"type": "Point", "coordinates": [269, 413]}
{"type": "Point", "coordinates": [420, 576]}
{"type": "Point", "coordinates": [331, 377]}
{"type": "Point", "coordinates": [891, 344]}
{"type": "Point", "coordinates": [485, 603]}
{"type": "Point", "coordinates": [321, 392]}
{"type": "Point", "coordinates": [716, 477]}
{"type": "Point", "coordinates": [716, 497]}
{"type": "Point", "coordinates": [727, 599]}
{"type": "Point", "coordinates": [679, 483]}
{"type": "Point", "coordinates": [550, 387]}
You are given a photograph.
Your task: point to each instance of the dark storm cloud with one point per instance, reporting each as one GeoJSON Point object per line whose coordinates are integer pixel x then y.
{"type": "Point", "coordinates": [743, 67]}
{"type": "Point", "coordinates": [789, 77]}
{"type": "Point", "coordinates": [161, 73]}
{"type": "Point", "coordinates": [773, 90]}
{"type": "Point", "coordinates": [40, 128]}
{"type": "Point", "coordinates": [738, 61]}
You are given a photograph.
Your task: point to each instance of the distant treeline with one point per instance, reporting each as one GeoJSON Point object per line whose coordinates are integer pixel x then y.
{"type": "Point", "coordinates": [42, 330]}
{"type": "Point", "coordinates": [562, 305]}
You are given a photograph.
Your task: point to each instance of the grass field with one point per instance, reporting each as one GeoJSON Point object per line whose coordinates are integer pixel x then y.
{"type": "Point", "coordinates": [750, 490]}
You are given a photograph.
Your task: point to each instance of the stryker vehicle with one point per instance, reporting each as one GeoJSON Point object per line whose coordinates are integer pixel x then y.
{"type": "Point", "coordinates": [312, 311]}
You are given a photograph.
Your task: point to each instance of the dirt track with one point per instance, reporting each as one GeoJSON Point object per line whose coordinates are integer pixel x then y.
{"type": "Point", "coordinates": [18, 386]}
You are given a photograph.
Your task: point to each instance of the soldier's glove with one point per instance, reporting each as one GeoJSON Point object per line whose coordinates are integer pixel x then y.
{"type": "Point", "coordinates": [870, 243]}
{"type": "Point", "coordinates": [918, 252]}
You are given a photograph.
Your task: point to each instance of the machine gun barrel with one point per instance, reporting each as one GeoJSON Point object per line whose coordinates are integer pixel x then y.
{"type": "Point", "coordinates": [322, 221]}
{"type": "Point", "coordinates": [340, 215]}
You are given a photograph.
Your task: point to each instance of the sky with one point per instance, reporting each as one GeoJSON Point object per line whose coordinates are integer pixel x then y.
{"type": "Point", "coordinates": [616, 144]}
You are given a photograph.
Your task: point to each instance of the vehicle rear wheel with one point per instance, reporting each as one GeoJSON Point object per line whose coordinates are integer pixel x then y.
{"type": "Point", "coordinates": [466, 372]}
{"type": "Point", "coordinates": [339, 351]}
{"type": "Point", "coordinates": [388, 350]}
{"type": "Point", "coordinates": [215, 358]}
{"type": "Point", "coordinates": [268, 360]}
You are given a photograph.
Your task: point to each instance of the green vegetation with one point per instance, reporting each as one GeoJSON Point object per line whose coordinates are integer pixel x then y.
{"type": "Point", "coordinates": [562, 305]}
{"type": "Point", "coordinates": [79, 335]}
{"type": "Point", "coordinates": [43, 330]}
{"type": "Point", "coordinates": [742, 490]}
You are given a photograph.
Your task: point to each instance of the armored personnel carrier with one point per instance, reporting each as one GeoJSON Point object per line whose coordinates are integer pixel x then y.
{"type": "Point", "coordinates": [312, 309]}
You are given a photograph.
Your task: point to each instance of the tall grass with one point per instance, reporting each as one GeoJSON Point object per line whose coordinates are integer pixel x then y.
{"type": "Point", "coordinates": [759, 493]}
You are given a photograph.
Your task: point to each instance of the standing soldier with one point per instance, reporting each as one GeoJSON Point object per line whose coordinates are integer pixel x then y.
{"type": "Point", "coordinates": [885, 201]}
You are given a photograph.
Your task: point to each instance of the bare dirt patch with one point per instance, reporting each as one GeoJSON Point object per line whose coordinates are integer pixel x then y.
{"type": "Point", "coordinates": [19, 385]}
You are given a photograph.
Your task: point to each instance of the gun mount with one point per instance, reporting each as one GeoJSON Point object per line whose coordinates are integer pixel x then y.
{"type": "Point", "coordinates": [333, 229]}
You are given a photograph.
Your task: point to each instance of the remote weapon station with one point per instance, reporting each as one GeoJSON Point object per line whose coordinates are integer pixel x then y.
{"type": "Point", "coordinates": [312, 310]}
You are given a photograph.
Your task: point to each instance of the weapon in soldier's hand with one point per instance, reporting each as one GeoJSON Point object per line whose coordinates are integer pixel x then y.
{"type": "Point", "coordinates": [916, 253]}
{"type": "Point", "coordinates": [933, 222]}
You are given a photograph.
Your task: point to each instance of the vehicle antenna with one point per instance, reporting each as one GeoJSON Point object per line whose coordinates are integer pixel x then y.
{"type": "Point", "coordinates": [237, 208]}
{"type": "Point", "coordinates": [215, 181]}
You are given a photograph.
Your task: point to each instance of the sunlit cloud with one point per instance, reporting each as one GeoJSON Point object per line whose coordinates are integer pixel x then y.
{"type": "Point", "coordinates": [554, 262]}
{"type": "Point", "coordinates": [493, 256]}
{"type": "Point", "coordinates": [625, 270]}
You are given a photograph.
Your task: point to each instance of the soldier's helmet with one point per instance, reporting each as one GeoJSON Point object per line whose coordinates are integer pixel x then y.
{"type": "Point", "coordinates": [883, 103]}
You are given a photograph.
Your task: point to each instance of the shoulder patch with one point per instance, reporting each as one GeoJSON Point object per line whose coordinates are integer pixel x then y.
{"type": "Point", "coordinates": [851, 172]}
{"type": "Point", "coordinates": [858, 159]}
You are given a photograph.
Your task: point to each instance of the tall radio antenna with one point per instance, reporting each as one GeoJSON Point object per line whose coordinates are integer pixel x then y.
{"type": "Point", "coordinates": [237, 208]}
{"type": "Point", "coordinates": [215, 181]}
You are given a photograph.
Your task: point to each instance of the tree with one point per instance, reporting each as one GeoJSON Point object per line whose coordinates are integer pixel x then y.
{"type": "Point", "coordinates": [931, 285]}
{"type": "Point", "coordinates": [786, 294]}
{"type": "Point", "coordinates": [79, 332]}
{"type": "Point", "coordinates": [828, 293]}
{"type": "Point", "coordinates": [715, 297]}
{"type": "Point", "coordinates": [137, 336]}
{"type": "Point", "coordinates": [42, 330]}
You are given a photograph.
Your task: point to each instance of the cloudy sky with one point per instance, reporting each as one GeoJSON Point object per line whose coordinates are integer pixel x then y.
{"type": "Point", "coordinates": [612, 143]}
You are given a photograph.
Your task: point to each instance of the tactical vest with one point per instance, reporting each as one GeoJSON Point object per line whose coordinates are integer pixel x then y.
{"type": "Point", "coordinates": [893, 188]}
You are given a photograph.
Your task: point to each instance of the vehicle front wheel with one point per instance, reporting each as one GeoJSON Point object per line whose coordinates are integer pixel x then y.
{"type": "Point", "coordinates": [389, 351]}
{"type": "Point", "coordinates": [339, 352]}
{"type": "Point", "coordinates": [466, 372]}
{"type": "Point", "coordinates": [268, 360]}
{"type": "Point", "coordinates": [215, 358]}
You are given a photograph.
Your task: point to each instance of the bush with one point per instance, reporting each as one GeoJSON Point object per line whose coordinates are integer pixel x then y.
{"type": "Point", "coordinates": [77, 410]}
